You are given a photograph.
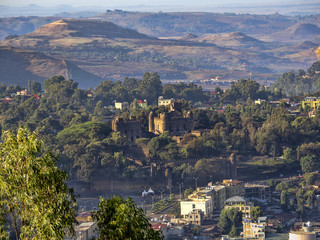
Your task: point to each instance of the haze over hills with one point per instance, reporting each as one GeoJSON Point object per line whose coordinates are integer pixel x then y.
{"type": "Point", "coordinates": [178, 24]}
{"type": "Point", "coordinates": [90, 8]}
{"type": "Point", "coordinates": [113, 52]}
{"type": "Point", "coordinates": [17, 66]}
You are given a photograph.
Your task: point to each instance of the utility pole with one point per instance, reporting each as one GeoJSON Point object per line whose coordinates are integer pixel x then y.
{"type": "Point", "coordinates": [161, 194]}
{"type": "Point", "coordinates": [196, 179]}
{"type": "Point", "coordinates": [180, 184]}
{"type": "Point", "coordinates": [144, 207]}
{"type": "Point", "coordinates": [152, 202]}
{"type": "Point", "coordinates": [170, 190]}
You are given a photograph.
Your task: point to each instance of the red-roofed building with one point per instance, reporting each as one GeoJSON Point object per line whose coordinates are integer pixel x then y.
{"type": "Point", "coordinates": [158, 226]}
{"type": "Point", "coordinates": [143, 103]}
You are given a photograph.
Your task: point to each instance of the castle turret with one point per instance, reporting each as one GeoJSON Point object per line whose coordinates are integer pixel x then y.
{"type": "Point", "coordinates": [151, 121]}
{"type": "Point", "coordinates": [163, 122]}
{"type": "Point", "coordinates": [117, 124]}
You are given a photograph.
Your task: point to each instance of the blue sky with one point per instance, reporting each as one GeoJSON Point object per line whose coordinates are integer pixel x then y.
{"type": "Point", "coordinates": [111, 3]}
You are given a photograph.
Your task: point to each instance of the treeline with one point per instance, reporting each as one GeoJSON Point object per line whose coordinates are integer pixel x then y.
{"type": "Point", "coordinates": [301, 82]}
{"type": "Point", "coordinates": [73, 123]}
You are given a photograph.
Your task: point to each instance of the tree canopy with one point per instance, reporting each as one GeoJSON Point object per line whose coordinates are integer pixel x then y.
{"type": "Point", "coordinates": [33, 191]}
{"type": "Point", "coordinates": [120, 218]}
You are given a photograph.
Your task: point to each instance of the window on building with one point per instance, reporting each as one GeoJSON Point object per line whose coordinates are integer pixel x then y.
{"type": "Point", "coordinates": [193, 206]}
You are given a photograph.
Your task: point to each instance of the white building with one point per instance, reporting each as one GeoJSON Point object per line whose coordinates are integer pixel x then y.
{"type": "Point", "coordinates": [205, 205]}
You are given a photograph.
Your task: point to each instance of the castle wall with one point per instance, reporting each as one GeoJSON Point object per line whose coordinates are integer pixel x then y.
{"type": "Point", "coordinates": [131, 129]}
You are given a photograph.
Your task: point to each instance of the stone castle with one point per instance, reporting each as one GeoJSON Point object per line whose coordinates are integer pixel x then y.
{"type": "Point", "coordinates": [174, 121]}
{"type": "Point", "coordinates": [131, 128]}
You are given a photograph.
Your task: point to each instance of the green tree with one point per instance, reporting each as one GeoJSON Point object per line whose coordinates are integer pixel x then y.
{"type": "Point", "coordinates": [121, 219]}
{"type": "Point", "coordinates": [150, 87]}
{"type": "Point", "coordinates": [36, 87]}
{"type": "Point", "coordinates": [230, 220]}
{"type": "Point", "coordinates": [255, 212]}
{"type": "Point", "coordinates": [224, 222]}
{"type": "Point", "coordinates": [289, 155]}
{"type": "Point", "coordinates": [310, 178]}
{"type": "Point", "coordinates": [311, 200]}
{"type": "Point", "coordinates": [163, 147]}
{"type": "Point", "coordinates": [283, 199]}
{"type": "Point", "coordinates": [233, 232]}
{"type": "Point", "coordinates": [188, 192]}
{"type": "Point", "coordinates": [309, 163]}
{"type": "Point", "coordinates": [33, 192]}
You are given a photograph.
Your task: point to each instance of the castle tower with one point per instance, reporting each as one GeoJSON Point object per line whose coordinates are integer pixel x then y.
{"type": "Point", "coordinates": [163, 122]}
{"type": "Point", "coordinates": [117, 124]}
{"type": "Point", "coordinates": [151, 121]}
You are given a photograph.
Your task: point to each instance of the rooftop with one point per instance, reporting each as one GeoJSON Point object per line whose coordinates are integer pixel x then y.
{"type": "Point", "coordinates": [235, 199]}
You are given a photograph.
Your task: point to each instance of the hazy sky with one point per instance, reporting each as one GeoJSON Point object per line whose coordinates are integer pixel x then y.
{"type": "Point", "coordinates": [110, 3]}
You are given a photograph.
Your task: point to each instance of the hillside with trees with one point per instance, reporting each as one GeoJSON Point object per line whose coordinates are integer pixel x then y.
{"type": "Point", "coordinates": [301, 82]}
{"type": "Point", "coordinates": [74, 124]}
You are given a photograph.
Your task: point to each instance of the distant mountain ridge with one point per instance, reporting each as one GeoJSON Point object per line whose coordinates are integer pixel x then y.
{"type": "Point", "coordinates": [113, 52]}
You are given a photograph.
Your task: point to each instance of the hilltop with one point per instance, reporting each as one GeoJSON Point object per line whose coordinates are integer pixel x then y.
{"type": "Point", "coordinates": [85, 28]}
{"type": "Point", "coordinates": [236, 40]}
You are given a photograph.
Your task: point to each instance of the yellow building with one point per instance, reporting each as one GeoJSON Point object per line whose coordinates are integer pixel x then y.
{"type": "Point", "coordinates": [240, 203]}
{"type": "Point", "coordinates": [312, 102]}
{"type": "Point", "coordinates": [252, 230]}
{"type": "Point", "coordinates": [195, 217]}
{"type": "Point", "coordinates": [234, 188]}
{"type": "Point", "coordinates": [121, 105]}
{"type": "Point", "coordinates": [164, 102]}
{"type": "Point", "coordinates": [259, 101]}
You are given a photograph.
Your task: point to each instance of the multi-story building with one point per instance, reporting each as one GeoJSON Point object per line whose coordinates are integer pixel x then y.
{"type": "Point", "coordinates": [164, 102]}
{"type": "Point", "coordinates": [312, 102]}
{"type": "Point", "coordinates": [219, 196]}
{"type": "Point", "coordinates": [257, 191]}
{"type": "Point", "coordinates": [234, 188]}
{"type": "Point", "coordinates": [254, 230]}
{"type": "Point", "coordinates": [195, 217]}
{"type": "Point", "coordinates": [240, 203]}
{"type": "Point", "coordinates": [203, 204]}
